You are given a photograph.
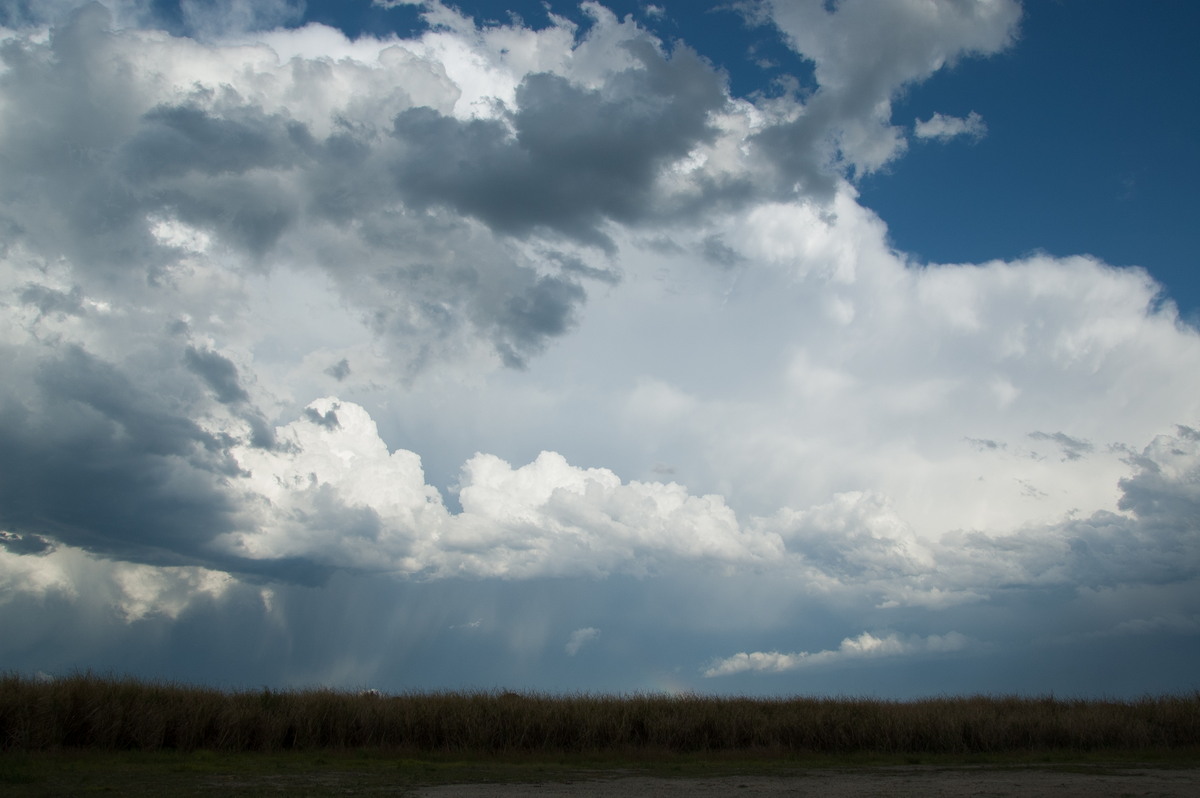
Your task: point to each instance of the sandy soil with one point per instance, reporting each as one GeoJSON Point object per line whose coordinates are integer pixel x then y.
{"type": "Point", "coordinates": [916, 781]}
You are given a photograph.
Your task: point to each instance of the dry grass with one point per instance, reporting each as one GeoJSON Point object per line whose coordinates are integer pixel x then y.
{"type": "Point", "coordinates": [85, 711]}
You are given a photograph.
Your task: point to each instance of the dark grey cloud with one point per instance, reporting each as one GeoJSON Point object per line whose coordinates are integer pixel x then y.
{"type": "Point", "coordinates": [218, 372]}
{"type": "Point", "coordinates": [221, 376]}
{"type": "Point", "coordinates": [69, 105]}
{"type": "Point", "coordinates": [347, 175]}
{"type": "Point", "coordinates": [802, 155]}
{"type": "Point", "coordinates": [715, 250]}
{"type": "Point", "coordinates": [339, 370]}
{"type": "Point", "coordinates": [262, 434]}
{"type": "Point", "coordinates": [92, 162]}
{"type": "Point", "coordinates": [251, 211]}
{"type": "Point", "coordinates": [25, 544]}
{"type": "Point", "coordinates": [1164, 492]}
{"type": "Point", "coordinates": [49, 300]}
{"type": "Point", "coordinates": [574, 157]}
{"type": "Point", "coordinates": [174, 140]}
{"type": "Point", "coordinates": [430, 284]}
{"type": "Point", "coordinates": [575, 266]}
{"type": "Point", "coordinates": [546, 309]}
{"type": "Point", "coordinates": [328, 419]}
{"type": "Point", "coordinates": [92, 459]}
{"type": "Point", "coordinates": [89, 388]}
{"type": "Point", "coordinates": [222, 171]}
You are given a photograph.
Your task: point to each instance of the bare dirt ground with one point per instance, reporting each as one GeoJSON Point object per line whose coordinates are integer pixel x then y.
{"type": "Point", "coordinates": [302, 775]}
{"type": "Point", "coordinates": [922, 781]}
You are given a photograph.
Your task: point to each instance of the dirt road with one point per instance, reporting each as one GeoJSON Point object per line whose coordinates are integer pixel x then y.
{"type": "Point", "coordinates": [916, 781]}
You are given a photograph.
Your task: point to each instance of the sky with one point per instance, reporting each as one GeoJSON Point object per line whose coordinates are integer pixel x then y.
{"type": "Point", "coordinates": [758, 348]}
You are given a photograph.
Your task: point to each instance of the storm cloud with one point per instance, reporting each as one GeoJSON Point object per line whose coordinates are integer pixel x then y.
{"type": "Point", "coordinates": [464, 345]}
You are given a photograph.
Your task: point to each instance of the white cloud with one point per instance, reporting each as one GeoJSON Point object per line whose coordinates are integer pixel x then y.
{"type": "Point", "coordinates": [865, 646]}
{"type": "Point", "coordinates": [865, 377]}
{"type": "Point", "coordinates": [130, 592]}
{"type": "Point", "coordinates": [943, 127]}
{"type": "Point", "coordinates": [331, 491]}
{"type": "Point", "coordinates": [864, 54]}
{"type": "Point", "coordinates": [579, 638]}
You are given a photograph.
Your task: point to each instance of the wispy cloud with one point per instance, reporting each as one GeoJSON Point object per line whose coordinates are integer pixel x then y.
{"type": "Point", "coordinates": [1072, 448]}
{"type": "Point", "coordinates": [865, 646]}
{"type": "Point", "coordinates": [944, 128]}
{"type": "Point", "coordinates": [579, 638]}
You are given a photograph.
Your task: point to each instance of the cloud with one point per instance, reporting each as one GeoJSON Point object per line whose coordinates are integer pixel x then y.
{"type": "Point", "coordinates": [944, 128]}
{"type": "Point", "coordinates": [1175, 623]}
{"type": "Point", "coordinates": [17, 15]}
{"type": "Point", "coordinates": [224, 18]}
{"type": "Point", "coordinates": [1147, 544]}
{"type": "Point", "coordinates": [579, 638]}
{"type": "Point", "coordinates": [761, 485]}
{"type": "Point", "coordinates": [1072, 448]}
{"type": "Point", "coordinates": [863, 56]}
{"type": "Point", "coordinates": [25, 544]}
{"type": "Point", "coordinates": [331, 492]}
{"type": "Point", "coordinates": [331, 495]}
{"type": "Point", "coordinates": [569, 157]}
{"type": "Point", "coordinates": [163, 142]}
{"type": "Point", "coordinates": [130, 591]}
{"type": "Point", "coordinates": [218, 372]}
{"type": "Point", "coordinates": [1163, 485]}
{"type": "Point", "coordinates": [865, 646]}
{"type": "Point", "coordinates": [94, 459]}
{"type": "Point", "coordinates": [49, 301]}
{"type": "Point", "coordinates": [454, 318]}
{"type": "Point", "coordinates": [274, 157]}
{"type": "Point", "coordinates": [339, 370]}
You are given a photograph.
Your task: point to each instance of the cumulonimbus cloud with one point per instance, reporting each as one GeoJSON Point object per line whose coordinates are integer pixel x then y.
{"type": "Point", "coordinates": [253, 285]}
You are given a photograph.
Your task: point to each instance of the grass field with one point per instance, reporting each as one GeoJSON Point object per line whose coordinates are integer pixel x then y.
{"type": "Point", "coordinates": [99, 713]}
{"type": "Point", "coordinates": [88, 733]}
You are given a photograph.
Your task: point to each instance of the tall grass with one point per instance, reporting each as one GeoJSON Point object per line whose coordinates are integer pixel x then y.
{"type": "Point", "coordinates": [87, 711]}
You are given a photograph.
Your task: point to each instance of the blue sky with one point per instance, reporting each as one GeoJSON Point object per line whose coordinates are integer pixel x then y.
{"type": "Point", "coordinates": [762, 348]}
{"type": "Point", "coordinates": [1088, 147]}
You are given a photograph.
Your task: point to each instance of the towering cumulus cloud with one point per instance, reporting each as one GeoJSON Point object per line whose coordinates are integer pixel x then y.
{"type": "Point", "coordinates": [527, 325]}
